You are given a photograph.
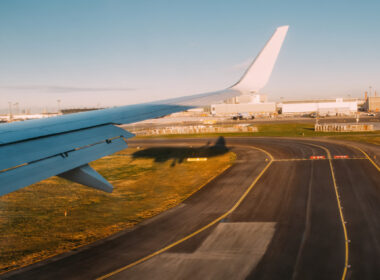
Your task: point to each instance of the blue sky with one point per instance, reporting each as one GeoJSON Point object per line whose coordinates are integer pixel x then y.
{"type": "Point", "coordinates": [106, 53]}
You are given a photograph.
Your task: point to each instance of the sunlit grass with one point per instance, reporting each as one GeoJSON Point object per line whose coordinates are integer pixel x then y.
{"type": "Point", "coordinates": [56, 215]}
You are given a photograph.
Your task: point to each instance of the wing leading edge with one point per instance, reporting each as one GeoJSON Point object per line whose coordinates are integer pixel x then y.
{"type": "Point", "coordinates": [34, 150]}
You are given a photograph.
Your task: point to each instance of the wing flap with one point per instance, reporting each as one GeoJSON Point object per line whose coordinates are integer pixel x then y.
{"type": "Point", "coordinates": [30, 173]}
{"type": "Point", "coordinates": [29, 151]}
{"type": "Point", "coordinates": [27, 130]}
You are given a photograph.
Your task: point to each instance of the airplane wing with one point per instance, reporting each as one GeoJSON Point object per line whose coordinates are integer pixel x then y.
{"type": "Point", "coordinates": [35, 150]}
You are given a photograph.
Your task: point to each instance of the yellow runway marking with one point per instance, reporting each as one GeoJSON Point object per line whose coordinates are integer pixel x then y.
{"type": "Point", "coordinates": [197, 159]}
{"type": "Point", "coordinates": [339, 207]}
{"type": "Point", "coordinates": [366, 155]}
{"type": "Point", "coordinates": [308, 159]}
{"type": "Point", "coordinates": [292, 159]}
{"type": "Point", "coordinates": [360, 150]}
{"type": "Point", "coordinates": [236, 205]}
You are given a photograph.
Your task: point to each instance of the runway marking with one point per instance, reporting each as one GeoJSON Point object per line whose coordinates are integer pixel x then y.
{"type": "Point", "coordinates": [308, 159]}
{"type": "Point", "coordinates": [197, 159]}
{"type": "Point", "coordinates": [292, 159]}
{"type": "Point", "coordinates": [230, 249]}
{"type": "Point", "coordinates": [366, 155]}
{"type": "Point", "coordinates": [340, 209]}
{"type": "Point", "coordinates": [340, 156]}
{"type": "Point", "coordinates": [360, 150]}
{"type": "Point", "coordinates": [236, 205]}
{"type": "Point", "coordinates": [317, 157]}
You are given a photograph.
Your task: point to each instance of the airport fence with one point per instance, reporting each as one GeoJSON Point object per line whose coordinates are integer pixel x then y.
{"type": "Point", "coordinates": [199, 129]}
{"type": "Point", "coordinates": [337, 127]}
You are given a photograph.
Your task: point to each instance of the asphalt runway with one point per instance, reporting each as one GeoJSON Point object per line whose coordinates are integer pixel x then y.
{"type": "Point", "coordinates": [274, 214]}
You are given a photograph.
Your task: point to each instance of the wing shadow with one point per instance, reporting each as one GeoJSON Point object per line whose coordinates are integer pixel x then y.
{"type": "Point", "coordinates": [179, 154]}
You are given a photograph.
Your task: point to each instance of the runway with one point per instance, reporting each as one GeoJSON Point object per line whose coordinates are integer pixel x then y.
{"type": "Point", "coordinates": [275, 214]}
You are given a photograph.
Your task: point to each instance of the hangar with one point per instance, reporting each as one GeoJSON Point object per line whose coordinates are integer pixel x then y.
{"type": "Point", "coordinates": [246, 104]}
{"type": "Point", "coordinates": [326, 107]}
{"type": "Point", "coordinates": [372, 104]}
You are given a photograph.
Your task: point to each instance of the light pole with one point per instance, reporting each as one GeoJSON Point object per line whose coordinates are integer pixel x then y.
{"type": "Point", "coordinates": [59, 105]}
{"type": "Point", "coordinates": [10, 111]}
{"type": "Point", "coordinates": [17, 108]}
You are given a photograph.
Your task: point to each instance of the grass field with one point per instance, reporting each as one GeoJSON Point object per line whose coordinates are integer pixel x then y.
{"type": "Point", "coordinates": [56, 216]}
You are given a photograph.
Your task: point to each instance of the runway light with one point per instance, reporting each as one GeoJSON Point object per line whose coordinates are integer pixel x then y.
{"type": "Point", "coordinates": [341, 156]}
{"type": "Point", "coordinates": [317, 157]}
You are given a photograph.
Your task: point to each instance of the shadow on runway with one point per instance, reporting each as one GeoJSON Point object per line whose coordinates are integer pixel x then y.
{"type": "Point", "coordinates": [179, 154]}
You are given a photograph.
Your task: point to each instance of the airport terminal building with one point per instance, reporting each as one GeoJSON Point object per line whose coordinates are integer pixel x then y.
{"type": "Point", "coordinates": [251, 104]}
{"type": "Point", "coordinates": [372, 104]}
{"type": "Point", "coordinates": [255, 104]}
{"type": "Point", "coordinates": [252, 109]}
{"type": "Point", "coordinates": [335, 107]}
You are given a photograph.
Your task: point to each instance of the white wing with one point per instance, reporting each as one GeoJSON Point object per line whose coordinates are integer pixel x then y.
{"type": "Point", "coordinates": [34, 150]}
{"type": "Point", "coordinates": [261, 68]}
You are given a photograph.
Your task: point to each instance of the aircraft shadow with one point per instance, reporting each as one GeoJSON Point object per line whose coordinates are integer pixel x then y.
{"type": "Point", "coordinates": [179, 154]}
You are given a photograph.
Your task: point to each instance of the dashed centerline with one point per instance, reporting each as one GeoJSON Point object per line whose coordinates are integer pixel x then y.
{"type": "Point", "coordinates": [340, 208]}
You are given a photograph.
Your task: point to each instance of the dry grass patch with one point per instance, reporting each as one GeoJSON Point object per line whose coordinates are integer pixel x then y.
{"type": "Point", "coordinates": [55, 215]}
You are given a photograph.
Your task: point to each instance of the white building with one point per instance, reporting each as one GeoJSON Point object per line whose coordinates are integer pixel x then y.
{"type": "Point", "coordinates": [248, 104]}
{"type": "Point", "coordinates": [8, 118]}
{"type": "Point", "coordinates": [248, 108]}
{"type": "Point", "coordinates": [322, 107]}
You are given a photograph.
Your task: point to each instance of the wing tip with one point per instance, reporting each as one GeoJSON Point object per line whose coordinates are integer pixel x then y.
{"type": "Point", "coordinates": [258, 73]}
{"type": "Point", "coordinates": [283, 27]}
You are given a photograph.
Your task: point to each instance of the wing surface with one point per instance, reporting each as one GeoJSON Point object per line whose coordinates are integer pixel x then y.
{"type": "Point", "coordinates": [34, 150]}
{"type": "Point", "coordinates": [257, 75]}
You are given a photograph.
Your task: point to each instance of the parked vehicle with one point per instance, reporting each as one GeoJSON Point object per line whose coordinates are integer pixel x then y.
{"type": "Point", "coordinates": [243, 116]}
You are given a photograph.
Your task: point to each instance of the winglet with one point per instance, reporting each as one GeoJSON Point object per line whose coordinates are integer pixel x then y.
{"type": "Point", "coordinates": [261, 68]}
